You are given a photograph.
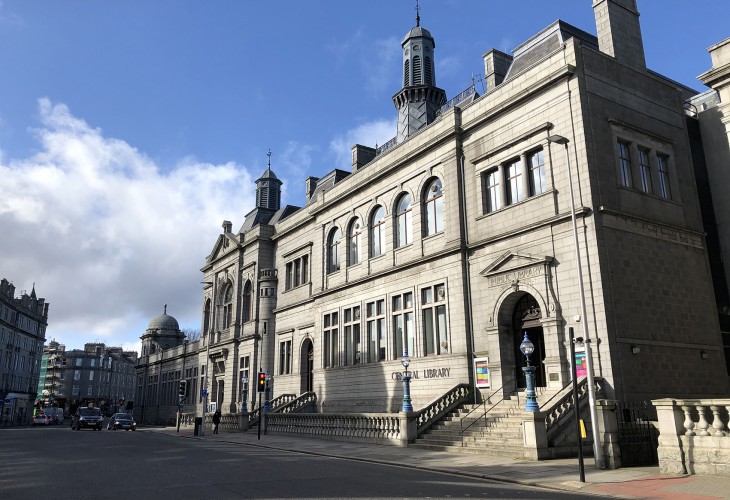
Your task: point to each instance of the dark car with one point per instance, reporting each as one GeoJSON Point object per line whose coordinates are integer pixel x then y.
{"type": "Point", "coordinates": [121, 421]}
{"type": "Point", "coordinates": [88, 417]}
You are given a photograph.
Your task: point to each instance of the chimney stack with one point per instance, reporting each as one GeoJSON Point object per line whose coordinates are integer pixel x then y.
{"type": "Point", "coordinates": [619, 32]}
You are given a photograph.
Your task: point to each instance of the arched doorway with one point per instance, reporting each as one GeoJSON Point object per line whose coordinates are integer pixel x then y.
{"type": "Point", "coordinates": [307, 365]}
{"type": "Point", "coordinates": [526, 318]}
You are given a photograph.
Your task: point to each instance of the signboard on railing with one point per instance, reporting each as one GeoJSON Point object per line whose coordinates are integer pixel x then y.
{"type": "Point", "coordinates": [581, 369]}
{"type": "Point", "coordinates": [481, 372]}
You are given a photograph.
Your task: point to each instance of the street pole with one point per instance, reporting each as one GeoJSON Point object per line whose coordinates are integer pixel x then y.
{"type": "Point", "coordinates": [597, 452]}
{"type": "Point", "coordinates": [579, 437]}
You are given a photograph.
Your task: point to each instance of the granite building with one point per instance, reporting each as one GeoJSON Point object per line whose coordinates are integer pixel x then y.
{"type": "Point", "coordinates": [23, 323]}
{"type": "Point", "coordinates": [455, 239]}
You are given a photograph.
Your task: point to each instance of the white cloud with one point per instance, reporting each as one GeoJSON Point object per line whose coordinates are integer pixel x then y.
{"type": "Point", "coordinates": [107, 235]}
{"type": "Point", "coordinates": [378, 62]}
{"type": "Point", "coordinates": [367, 134]}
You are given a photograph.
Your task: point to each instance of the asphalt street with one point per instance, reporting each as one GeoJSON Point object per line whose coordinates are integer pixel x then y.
{"type": "Point", "coordinates": [56, 462]}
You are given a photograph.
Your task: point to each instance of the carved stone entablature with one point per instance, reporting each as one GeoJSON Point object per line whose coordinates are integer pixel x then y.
{"type": "Point", "coordinates": [512, 269]}
{"type": "Point", "coordinates": [221, 353]}
{"type": "Point", "coordinates": [268, 275]}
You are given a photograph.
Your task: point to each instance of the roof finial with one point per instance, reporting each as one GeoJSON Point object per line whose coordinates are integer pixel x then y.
{"type": "Point", "coordinates": [269, 155]}
{"type": "Point", "coordinates": [418, 14]}
{"type": "Point", "coordinates": [165, 310]}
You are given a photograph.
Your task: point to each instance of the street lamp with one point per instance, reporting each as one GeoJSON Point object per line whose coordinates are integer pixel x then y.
{"type": "Point", "coordinates": [406, 361]}
{"type": "Point", "coordinates": [527, 348]}
{"type": "Point", "coordinates": [209, 333]}
{"type": "Point", "coordinates": [244, 393]}
{"type": "Point", "coordinates": [559, 139]}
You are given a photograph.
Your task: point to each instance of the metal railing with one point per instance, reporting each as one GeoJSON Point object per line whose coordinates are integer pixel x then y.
{"type": "Point", "coordinates": [484, 416]}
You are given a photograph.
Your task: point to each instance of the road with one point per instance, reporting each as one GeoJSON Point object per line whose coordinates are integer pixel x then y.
{"type": "Point", "coordinates": [56, 462]}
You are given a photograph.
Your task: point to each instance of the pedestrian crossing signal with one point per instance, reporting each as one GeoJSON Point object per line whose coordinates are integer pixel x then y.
{"type": "Point", "coordinates": [261, 384]}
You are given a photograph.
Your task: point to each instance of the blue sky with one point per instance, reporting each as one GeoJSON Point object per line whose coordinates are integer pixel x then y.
{"type": "Point", "coordinates": [129, 130]}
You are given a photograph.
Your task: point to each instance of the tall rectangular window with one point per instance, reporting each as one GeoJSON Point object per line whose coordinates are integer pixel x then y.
{"type": "Point", "coordinates": [330, 332]}
{"type": "Point", "coordinates": [663, 170]}
{"type": "Point", "coordinates": [513, 172]}
{"type": "Point", "coordinates": [624, 160]}
{"type": "Point", "coordinates": [351, 324]}
{"type": "Point", "coordinates": [297, 272]}
{"type": "Point", "coordinates": [492, 196]}
{"type": "Point", "coordinates": [645, 170]}
{"type": "Point", "coordinates": [377, 341]}
{"type": "Point", "coordinates": [243, 370]}
{"type": "Point", "coordinates": [537, 173]}
{"type": "Point", "coordinates": [433, 312]}
{"type": "Point", "coordinates": [285, 357]}
{"type": "Point", "coordinates": [289, 276]}
{"type": "Point", "coordinates": [403, 325]}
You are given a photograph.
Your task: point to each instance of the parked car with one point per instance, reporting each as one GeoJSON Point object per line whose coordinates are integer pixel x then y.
{"type": "Point", "coordinates": [121, 421]}
{"type": "Point", "coordinates": [55, 415]}
{"type": "Point", "coordinates": [88, 417]}
{"type": "Point", "coordinates": [41, 419]}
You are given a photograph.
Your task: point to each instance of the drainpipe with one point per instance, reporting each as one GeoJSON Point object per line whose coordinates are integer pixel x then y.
{"type": "Point", "coordinates": [467, 277]}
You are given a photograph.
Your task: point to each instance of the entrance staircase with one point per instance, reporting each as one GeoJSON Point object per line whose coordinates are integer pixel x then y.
{"type": "Point", "coordinates": [488, 429]}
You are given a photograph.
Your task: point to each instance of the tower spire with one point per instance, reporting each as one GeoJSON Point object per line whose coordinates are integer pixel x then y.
{"type": "Point", "coordinates": [269, 155]}
{"type": "Point", "coordinates": [418, 14]}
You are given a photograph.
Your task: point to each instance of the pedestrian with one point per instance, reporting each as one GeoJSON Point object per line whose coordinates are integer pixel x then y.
{"type": "Point", "coordinates": [216, 421]}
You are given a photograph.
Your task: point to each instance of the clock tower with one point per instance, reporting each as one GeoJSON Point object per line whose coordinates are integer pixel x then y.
{"type": "Point", "coordinates": [268, 189]}
{"type": "Point", "coordinates": [419, 99]}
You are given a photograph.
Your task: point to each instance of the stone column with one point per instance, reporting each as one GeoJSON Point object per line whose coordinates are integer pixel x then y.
{"type": "Point", "coordinates": [408, 429]}
{"type": "Point", "coordinates": [608, 430]}
{"type": "Point", "coordinates": [671, 426]}
{"type": "Point", "coordinates": [534, 437]}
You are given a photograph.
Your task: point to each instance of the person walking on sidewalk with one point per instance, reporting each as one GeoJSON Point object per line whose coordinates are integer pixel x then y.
{"type": "Point", "coordinates": [216, 421]}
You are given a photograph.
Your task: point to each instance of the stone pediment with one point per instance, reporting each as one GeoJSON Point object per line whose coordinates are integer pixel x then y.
{"type": "Point", "coordinates": [222, 245]}
{"type": "Point", "coordinates": [514, 267]}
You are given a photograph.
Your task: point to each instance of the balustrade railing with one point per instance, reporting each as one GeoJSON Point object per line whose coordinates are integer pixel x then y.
{"type": "Point", "coordinates": [275, 404]}
{"type": "Point", "coordinates": [705, 418]}
{"type": "Point", "coordinates": [560, 407]}
{"type": "Point", "coordinates": [436, 410]}
{"type": "Point", "coordinates": [372, 427]}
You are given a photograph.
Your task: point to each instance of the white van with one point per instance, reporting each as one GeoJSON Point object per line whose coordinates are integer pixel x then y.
{"type": "Point", "coordinates": [55, 415]}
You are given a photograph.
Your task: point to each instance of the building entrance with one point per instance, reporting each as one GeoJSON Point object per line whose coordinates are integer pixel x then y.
{"type": "Point", "coordinates": [307, 366]}
{"type": "Point", "coordinates": [526, 319]}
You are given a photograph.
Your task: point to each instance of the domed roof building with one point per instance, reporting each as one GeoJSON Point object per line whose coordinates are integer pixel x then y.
{"type": "Point", "coordinates": [162, 332]}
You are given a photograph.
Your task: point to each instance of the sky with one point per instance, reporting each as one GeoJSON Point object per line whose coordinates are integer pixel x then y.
{"type": "Point", "coordinates": [129, 130]}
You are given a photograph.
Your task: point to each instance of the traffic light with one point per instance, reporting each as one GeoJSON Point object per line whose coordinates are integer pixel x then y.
{"type": "Point", "coordinates": [182, 390]}
{"type": "Point", "coordinates": [261, 384]}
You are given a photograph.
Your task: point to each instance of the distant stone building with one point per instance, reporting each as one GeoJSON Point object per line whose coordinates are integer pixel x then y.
{"type": "Point", "coordinates": [455, 239]}
{"type": "Point", "coordinates": [23, 323]}
{"type": "Point", "coordinates": [98, 375]}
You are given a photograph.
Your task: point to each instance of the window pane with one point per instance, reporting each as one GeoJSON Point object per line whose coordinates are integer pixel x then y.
{"type": "Point", "coordinates": [429, 333]}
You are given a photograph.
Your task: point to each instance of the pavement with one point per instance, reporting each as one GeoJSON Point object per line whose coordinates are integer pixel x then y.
{"type": "Point", "coordinates": [560, 474]}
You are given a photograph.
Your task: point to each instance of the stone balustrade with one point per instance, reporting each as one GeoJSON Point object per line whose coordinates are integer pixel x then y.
{"type": "Point", "coordinates": [377, 428]}
{"type": "Point", "coordinates": [694, 437]}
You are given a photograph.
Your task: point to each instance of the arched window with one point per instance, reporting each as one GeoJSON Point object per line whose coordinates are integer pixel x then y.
{"type": "Point", "coordinates": [406, 73]}
{"type": "Point", "coordinates": [333, 251]}
{"type": "Point", "coordinates": [247, 313]}
{"type": "Point", "coordinates": [377, 232]}
{"type": "Point", "coordinates": [228, 306]}
{"type": "Point", "coordinates": [434, 213]}
{"type": "Point", "coordinates": [353, 242]}
{"type": "Point", "coordinates": [404, 222]}
{"type": "Point", "coordinates": [206, 318]}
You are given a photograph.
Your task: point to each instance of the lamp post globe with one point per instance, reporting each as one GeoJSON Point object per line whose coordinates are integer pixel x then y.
{"type": "Point", "coordinates": [527, 348]}
{"type": "Point", "coordinates": [406, 361]}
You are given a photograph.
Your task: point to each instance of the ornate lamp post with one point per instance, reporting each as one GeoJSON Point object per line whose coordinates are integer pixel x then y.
{"type": "Point", "coordinates": [244, 393]}
{"type": "Point", "coordinates": [527, 348]}
{"type": "Point", "coordinates": [406, 361]}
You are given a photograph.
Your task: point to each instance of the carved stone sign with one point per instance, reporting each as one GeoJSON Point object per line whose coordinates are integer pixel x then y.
{"type": "Point", "coordinates": [516, 275]}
